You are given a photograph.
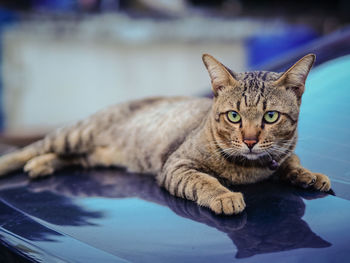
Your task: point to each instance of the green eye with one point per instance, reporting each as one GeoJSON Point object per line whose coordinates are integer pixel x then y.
{"type": "Point", "coordinates": [271, 116]}
{"type": "Point", "coordinates": [233, 116]}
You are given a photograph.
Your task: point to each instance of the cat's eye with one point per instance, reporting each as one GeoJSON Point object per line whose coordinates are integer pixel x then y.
{"type": "Point", "coordinates": [233, 116]}
{"type": "Point", "coordinates": [271, 116]}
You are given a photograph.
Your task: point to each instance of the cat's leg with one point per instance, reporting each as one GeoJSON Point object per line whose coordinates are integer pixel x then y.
{"type": "Point", "coordinates": [205, 190]}
{"type": "Point", "coordinates": [16, 160]}
{"type": "Point", "coordinates": [75, 140]}
{"type": "Point", "coordinates": [48, 163]}
{"type": "Point", "coordinates": [105, 156]}
{"type": "Point", "coordinates": [292, 171]}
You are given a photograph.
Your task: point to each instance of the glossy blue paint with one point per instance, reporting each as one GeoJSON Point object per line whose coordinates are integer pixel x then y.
{"type": "Point", "coordinates": [112, 216]}
{"type": "Point", "coordinates": [324, 125]}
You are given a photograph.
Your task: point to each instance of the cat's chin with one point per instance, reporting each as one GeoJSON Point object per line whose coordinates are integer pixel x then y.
{"type": "Point", "coordinates": [254, 156]}
{"type": "Point", "coordinates": [252, 159]}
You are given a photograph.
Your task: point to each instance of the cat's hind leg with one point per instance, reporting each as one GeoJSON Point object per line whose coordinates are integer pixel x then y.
{"type": "Point", "coordinates": [16, 160]}
{"type": "Point", "coordinates": [48, 163]}
{"type": "Point", "coordinates": [105, 156]}
{"type": "Point", "coordinates": [70, 141]}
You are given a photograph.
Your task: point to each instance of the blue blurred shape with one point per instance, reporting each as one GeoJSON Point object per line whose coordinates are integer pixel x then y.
{"type": "Point", "coordinates": [264, 47]}
{"type": "Point", "coordinates": [7, 17]}
{"type": "Point", "coordinates": [55, 5]}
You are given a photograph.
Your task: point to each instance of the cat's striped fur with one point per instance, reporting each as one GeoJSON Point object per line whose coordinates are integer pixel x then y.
{"type": "Point", "coordinates": [188, 142]}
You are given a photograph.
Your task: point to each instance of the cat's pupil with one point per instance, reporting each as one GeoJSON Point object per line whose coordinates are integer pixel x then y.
{"type": "Point", "coordinates": [270, 114]}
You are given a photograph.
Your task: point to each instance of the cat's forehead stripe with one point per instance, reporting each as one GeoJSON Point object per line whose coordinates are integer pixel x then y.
{"type": "Point", "coordinates": [253, 86]}
{"type": "Point", "coordinates": [257, 75]}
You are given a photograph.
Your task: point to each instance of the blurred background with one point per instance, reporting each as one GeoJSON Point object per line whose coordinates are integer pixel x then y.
{"type": "Point", "coordinates": [62, 60]}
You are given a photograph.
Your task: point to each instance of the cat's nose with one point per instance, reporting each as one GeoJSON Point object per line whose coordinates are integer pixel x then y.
{"type": "Point", "coordinates": [250, 142]}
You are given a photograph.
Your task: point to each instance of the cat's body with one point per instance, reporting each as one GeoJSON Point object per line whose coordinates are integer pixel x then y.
{"type": "Point", "coordinates": [192, 145]}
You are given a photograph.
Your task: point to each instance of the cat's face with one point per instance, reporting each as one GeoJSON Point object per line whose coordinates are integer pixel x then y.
{"type": "Point", "coordinates": [256, 113]}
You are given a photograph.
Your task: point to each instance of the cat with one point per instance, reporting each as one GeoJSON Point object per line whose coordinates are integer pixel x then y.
{"type": "Point", "coordinates": [194, 146]}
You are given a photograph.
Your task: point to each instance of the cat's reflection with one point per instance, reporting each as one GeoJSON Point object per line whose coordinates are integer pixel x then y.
{"type": "Point", "coordinates": [271, 222]}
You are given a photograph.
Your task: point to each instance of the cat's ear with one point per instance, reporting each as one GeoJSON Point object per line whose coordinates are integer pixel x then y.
{"type": "Point", "coordinates": [219, 74]}
{"type": "Point", "coordinates": [296, 75]}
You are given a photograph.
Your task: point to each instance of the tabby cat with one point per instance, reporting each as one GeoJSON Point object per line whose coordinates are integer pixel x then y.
{"type": "Point", "coordinates": [195, 146]}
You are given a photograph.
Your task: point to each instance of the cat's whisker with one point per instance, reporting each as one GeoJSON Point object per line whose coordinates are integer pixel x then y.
{"type": "Point", "coordinates": [279, 151]}
{"type": "Point", "coordinates": [222, 148]}
{"type": "Point", "coordinates": [279, 148]}
{"type": "Point", "coordinates": [221, 151]}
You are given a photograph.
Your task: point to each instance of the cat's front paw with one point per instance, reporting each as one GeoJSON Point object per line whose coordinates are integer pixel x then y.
{"type": "Point", "coordinates": [228, 203]}
{"type": "Point", "coordinates": [307, 179]}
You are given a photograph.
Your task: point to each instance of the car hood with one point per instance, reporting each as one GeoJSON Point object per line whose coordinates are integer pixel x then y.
{"type": "Point", "coordinates": [109, 215]}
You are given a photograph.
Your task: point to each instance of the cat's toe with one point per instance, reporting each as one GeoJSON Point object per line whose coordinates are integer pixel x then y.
{"type": "Point", "coordinates": [36, 169]}
{"type": "Point", "coordinates": [302, 177]}
{"type": "Point", "coordinates": [307, 179]}
{"type": "Point", "coordinates": [228, 204]}
{"type": "Point", "coordinates": [322, 183]}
